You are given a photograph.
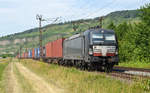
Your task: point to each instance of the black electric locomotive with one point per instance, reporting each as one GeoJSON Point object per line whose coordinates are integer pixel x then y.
{"type": "Point", "coordinates": [93, 49]}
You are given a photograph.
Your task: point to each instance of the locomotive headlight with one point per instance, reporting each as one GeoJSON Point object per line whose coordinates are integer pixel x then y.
{"type": "Point", "coordinates": [90, 51]}
{"type": "Point", "coordinates": [116, 52]}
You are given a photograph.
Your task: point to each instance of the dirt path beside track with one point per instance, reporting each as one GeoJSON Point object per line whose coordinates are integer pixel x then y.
{"type": "Point", "coordinates": [11, 85]}
{"type": "Point", "coordinates": [19, 79]}
{"type": "Point", "coordinates": [39, 85]}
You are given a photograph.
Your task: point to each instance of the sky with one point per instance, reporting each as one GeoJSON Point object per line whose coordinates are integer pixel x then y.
{"type": "Point", "coordinates": [20, 15]}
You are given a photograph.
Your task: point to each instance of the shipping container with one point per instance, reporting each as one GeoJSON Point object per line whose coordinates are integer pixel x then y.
{"type": "Point", "coordinates": [33, 53]}
{"type": "Point", "coordinates": [23, 55]}
{"type": "Point", "coordinates": [48, 50]}
{"type": "Point", "coordinates": [26, 54]}
{"type": "Point", "coordinates": [57, 48]}
{"type": "Point", "coordinates": [30, 54]}
{"type": "Point", "coordinates": [54, 49]}
{"type": "Point", "coordinates": [38, 52]}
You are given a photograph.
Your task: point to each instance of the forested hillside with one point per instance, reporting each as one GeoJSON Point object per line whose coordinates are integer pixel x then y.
{"type": "Point", "coordinates": [134, 39]}
{"type": "Point", "coordinates": [29, 39]}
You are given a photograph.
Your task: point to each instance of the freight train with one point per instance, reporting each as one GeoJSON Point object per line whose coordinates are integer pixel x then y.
{"type": "Point", "coordinates": [94, 49]}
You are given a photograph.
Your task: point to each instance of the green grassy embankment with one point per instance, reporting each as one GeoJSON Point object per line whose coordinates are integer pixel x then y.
{"type": "Point", "coordinates": [76, 81]}
{"type": "Point", "coordinates": [145, 65]}
{"type": "Point", "coordinates": [3, 65]}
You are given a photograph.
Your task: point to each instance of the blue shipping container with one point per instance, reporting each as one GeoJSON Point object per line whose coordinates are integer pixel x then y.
{"type": "Point", "coordinates": [30, 54]}
{"type": "Point", "coordinates": [35, 52]}
{"type": "Point", "coordinates": [38, 52]}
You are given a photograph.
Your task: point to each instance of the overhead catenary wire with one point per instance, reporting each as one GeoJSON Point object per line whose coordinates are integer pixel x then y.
{"type": "Point", "coordinates": [94, 12]}
{"type": "Point", "coordinates": [100, 9]}
{"type": "Point", "coordinates": [85, 7]}
{"type": "Point", "coordinates": [71, 10]}
{"type": "Point", "coordinates": [88, 13]}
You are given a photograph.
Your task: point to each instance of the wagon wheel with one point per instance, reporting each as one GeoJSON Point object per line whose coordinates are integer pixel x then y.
{"type": "Point", "coordinates": [60, 62]}
{"type": "Point", "coordinates": [81, 65]}
{"type": "Point", "coordinates": [76, 64]}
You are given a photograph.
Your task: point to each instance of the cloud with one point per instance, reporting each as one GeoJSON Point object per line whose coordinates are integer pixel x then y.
{"type": "Point", "coordinates": [6, 10]}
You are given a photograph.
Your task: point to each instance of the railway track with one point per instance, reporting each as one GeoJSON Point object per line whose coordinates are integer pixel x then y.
{"type": "Point", "coordinates": [122, 75]}
{"type": "Point", "coordinates": [130, 73]}
{"type": "Point", "coordinates": [130, 69]}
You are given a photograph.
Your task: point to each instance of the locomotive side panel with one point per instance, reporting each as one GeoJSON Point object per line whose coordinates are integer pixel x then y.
{"type": "Point", "coordinates": [74, 48]}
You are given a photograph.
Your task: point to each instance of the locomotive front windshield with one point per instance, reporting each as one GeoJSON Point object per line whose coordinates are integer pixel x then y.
{"type": "Point", "coordinates": [102, 38]}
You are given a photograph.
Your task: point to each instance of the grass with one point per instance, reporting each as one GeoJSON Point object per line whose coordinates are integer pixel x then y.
{"type": "Point", "coordinates": [76, 81]}
{"type": "Point", "coordinates": [25, 85]}
{"type": "Point", "coordinates": [136, 64]}
{"type": "Point", "coordinates": [5, 60]}
{"type": "Point", "coordinates": [3, 65]}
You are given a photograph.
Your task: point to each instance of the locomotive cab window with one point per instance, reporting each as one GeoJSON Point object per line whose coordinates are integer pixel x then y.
{"type": "Point", "coordinates": [109, 37]}
{"type": "Point", "coordinates": [97, 38]}
{"type": "Point", "coordinates": [103, 38]}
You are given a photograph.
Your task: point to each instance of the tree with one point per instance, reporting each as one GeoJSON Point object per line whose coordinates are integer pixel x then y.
{"type": "Point", "coordinates": [142, 40]}
{"type": "Point", "coordinates": [121, 30]}
{"type": "Point", "coordinates": [145, 15]}
{"type": "Point", "coordinates": [111, 26]}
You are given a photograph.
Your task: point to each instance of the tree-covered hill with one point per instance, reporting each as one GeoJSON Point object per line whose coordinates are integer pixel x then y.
{"type": "Point", "coordinates": [125, 14]}
{"type": "Point", "coordinates": [134, 39]}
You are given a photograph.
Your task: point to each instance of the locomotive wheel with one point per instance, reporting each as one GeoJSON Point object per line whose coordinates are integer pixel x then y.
{"type": "Point", "coordinates": [77, 64]}
{"type": "Point", "coordinates": [83, 65]}
{"type": "Point", "coordinates": [90, 67]}
{"type": "Point", "coordinates": [108, 68]}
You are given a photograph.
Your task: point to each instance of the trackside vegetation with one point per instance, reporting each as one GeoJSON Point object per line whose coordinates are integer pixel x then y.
{"type": "Point", "coordinates": [3, 65]}
{"type": "Point", "coordinates": [134, 38]}
{"type": "Point", "coordinates": [76, 81]}
{"type": "Point", "coordinates": [137, 64]}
